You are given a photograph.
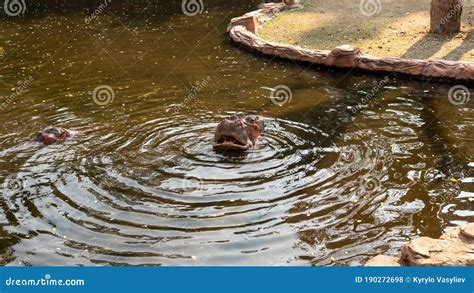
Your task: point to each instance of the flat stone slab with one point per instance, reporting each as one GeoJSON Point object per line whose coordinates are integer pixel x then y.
{"type": "Point", "coordinates": [468, 230]}
{"type": "Point", "coordinates": [454, 248]}
{"type": "Point", "coordinates": [384, 261]}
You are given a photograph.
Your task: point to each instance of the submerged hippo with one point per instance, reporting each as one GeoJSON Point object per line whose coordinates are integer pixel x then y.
{"type": "Point", "coordinates": [238, 133]}
{"type": "Point", "coordinates": [52, 135]}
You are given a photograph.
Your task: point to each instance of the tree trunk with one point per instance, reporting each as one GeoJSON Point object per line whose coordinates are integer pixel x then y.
{"type": "Point", "coordinates": [446, 16]}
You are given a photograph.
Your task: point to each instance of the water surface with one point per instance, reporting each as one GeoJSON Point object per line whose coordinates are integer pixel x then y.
{"type": "Point", "coordinates": [351, 167]}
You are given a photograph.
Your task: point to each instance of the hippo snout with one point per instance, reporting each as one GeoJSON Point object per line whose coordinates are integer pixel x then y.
{"type": "Point", "coordinates": [238, 133]}
{"type": "Point", "coordinates": [52, 135]}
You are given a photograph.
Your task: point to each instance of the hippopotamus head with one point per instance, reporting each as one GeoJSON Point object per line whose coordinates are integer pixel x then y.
{"type": "Point", "coordinates": [52, 135]}
{"type": "Point", "coordinates": [238, 133]}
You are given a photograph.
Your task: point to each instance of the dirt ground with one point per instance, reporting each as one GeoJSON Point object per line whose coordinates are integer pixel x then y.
{"type": "Point", "coordinates": [397, 28]}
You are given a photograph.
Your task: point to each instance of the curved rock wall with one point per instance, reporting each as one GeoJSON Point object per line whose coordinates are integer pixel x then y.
{"type": "Point", "coordinates": [243, 30]}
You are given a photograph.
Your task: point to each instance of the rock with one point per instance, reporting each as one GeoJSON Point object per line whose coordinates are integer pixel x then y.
{"type": "Point", "coordinates": [384, 261]}
{"type": "Point", "coordinates": [344, 56]}
{"type": "Point", "coordinates": [468, 231]}
{"type": "Point", "coordinates": [455, 248]}
{"type": "Point", "coordinates": [247, 21]}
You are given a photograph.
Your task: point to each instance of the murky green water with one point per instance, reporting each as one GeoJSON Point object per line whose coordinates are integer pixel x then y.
{"type": "Point", "coordinates": [340, 175]}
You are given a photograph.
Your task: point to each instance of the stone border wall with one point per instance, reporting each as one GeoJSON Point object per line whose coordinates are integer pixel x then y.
{"type": "Point", "coordinates": [243, 30]}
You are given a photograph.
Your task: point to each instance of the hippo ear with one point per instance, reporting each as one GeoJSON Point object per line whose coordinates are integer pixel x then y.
{"type": "Point", "coordinates": [39, 137]}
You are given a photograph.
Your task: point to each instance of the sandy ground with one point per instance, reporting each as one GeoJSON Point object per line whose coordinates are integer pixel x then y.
{"type": "Point", "coordinates": [397, 28]}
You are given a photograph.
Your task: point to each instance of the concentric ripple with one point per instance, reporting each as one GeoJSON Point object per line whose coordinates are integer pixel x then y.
{"type": "Point", "coordinates": [163, 178]}
{"type": "Point", "coordinates": [156, 193]}
{"type": "Point", "coordinates": [171, 161]}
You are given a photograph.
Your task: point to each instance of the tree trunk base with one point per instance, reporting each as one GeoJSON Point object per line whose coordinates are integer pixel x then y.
{"type": "Point", "coordinates": [445, 16]}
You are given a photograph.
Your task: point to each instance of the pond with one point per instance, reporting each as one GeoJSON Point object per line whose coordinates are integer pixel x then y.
{"type": "Point", "coordinates": [349, 166]}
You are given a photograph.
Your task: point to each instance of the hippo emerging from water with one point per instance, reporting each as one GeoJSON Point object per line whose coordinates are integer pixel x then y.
{"type": "Point", "coordinates": [238, 133]}
{"type": "Point", "coordinates": [52, 135]}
